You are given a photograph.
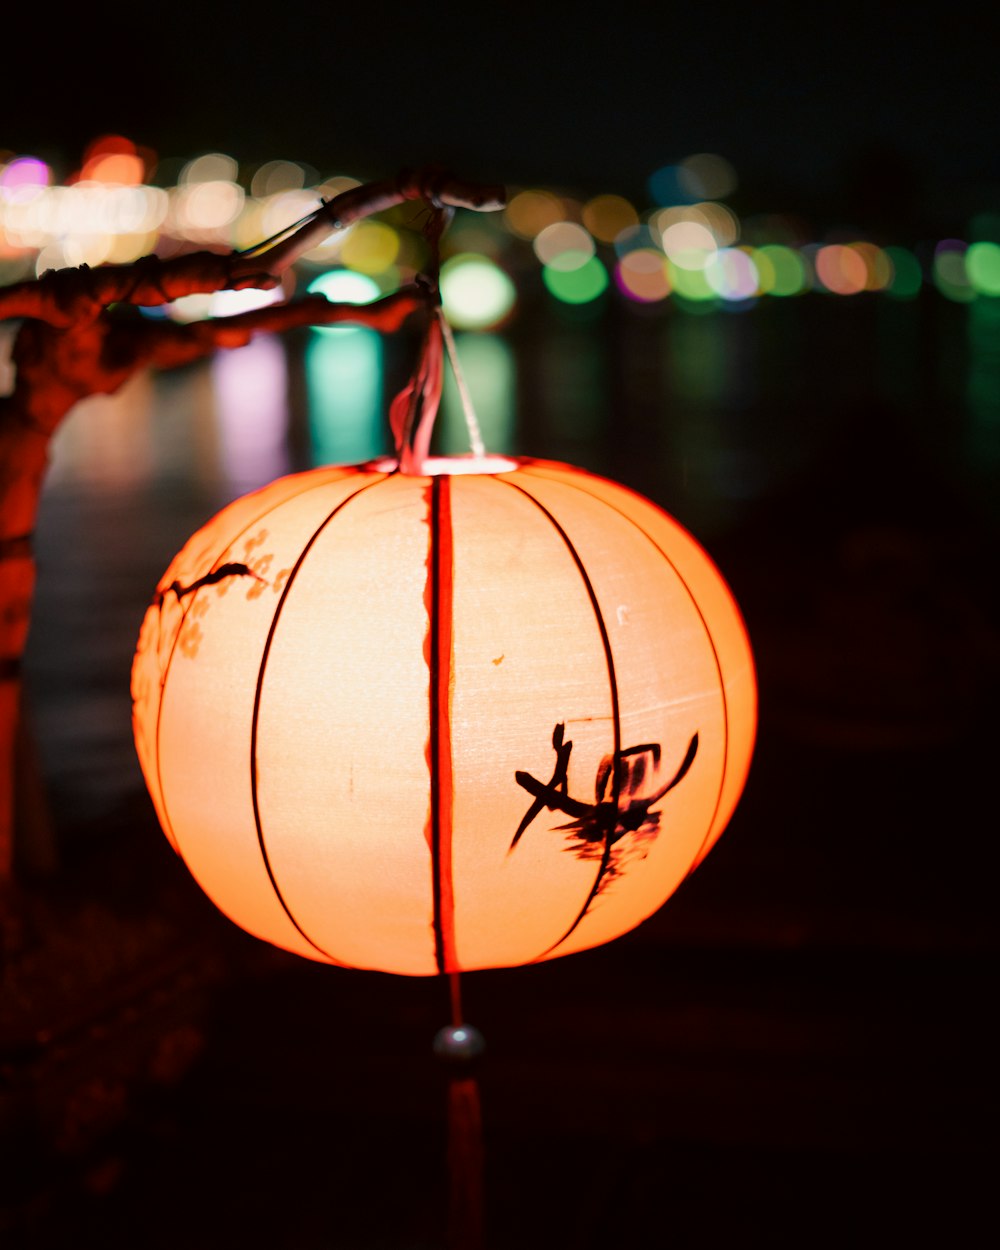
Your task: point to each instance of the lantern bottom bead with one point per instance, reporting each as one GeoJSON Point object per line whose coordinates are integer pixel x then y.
{"type": "Point", "coordinates": [459, 1044]}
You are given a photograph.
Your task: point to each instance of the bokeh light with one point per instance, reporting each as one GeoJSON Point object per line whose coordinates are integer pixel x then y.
{"type": "Point", "coordinates": [229, 303]}
{"type": "Point", "coordinates": [529, 212]}
{"type": "Point", "coordinates": [780, 270]}
{"type": "Point", "coordinates": [667, 186]}
{"type": "Point", "coordinates": [877, 265]}
{"type": "Point", "coordinates": [841, 269]}
{"type": "Point", "coordinates": [907, 276]}
{"type": "Point", "coordinates": [344, 286]}
{"type": "Point", "coordinates": [732, 274]}
{"type": "Point", "coordinates": [24, 171]}
{"type": "Point", "coordinates": [642, 275]}
{"type": "Point", "coordinates": [690, 284]}
{"type": "Point", "coordinates": [949, 272]}
{"type": "Point", "coordinates": [273, 177]}
{"type": "Point", "coordinates": [370, 247]}
{"type": "Point", "coordinates": [577, 286]}
{"type": "Point", "coordinates": [204, 211]}
{"type": "Point", "coordinates": [476, 294]}
{"type": "Point", "coordinates": [982, 264]}
{"type": "Point", "coordinates": [564, 245]}
{"type": "Point", "coordinates": [706, 176]}
{"type": "Point", "coordinates": [606, 216]}
{"type": "Point", "coordinates": [112, 159]}
{"type": "Point", "coordinates": [720, 219]}
{"type": "Point", "coordinates": [209, 167]}
{"type": "Point", "coordinates": [688, 244]}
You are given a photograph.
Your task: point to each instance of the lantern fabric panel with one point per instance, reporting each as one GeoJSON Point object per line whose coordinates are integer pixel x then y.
{"type": "Point", "coordinates": [341, 747]}
{"type": "Point", "coordinates": [670, 715]}
{"type": "Point", "coordinates": [211, 643]}
{"type": "Point", "coordinates": [206, 551]}
{"type": "Point", "coordinates": [716, 605]}
{"type": "Point", "coordinates": [526, 650]}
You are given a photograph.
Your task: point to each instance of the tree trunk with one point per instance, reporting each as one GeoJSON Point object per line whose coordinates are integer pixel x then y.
{"type": "Point", "coordinates": [23, 458]}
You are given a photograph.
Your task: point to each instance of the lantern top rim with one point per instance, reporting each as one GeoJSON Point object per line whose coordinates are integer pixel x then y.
{"type": "Point", "coordinates": [450, 466]}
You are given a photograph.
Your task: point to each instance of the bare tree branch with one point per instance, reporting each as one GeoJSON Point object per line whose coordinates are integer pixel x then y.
{"type": "Point", "coordinates": [437, 187]}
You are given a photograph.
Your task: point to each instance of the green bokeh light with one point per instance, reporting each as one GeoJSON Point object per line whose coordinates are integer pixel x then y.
{"type": "Point", "coordinates": [344, 286]}
{"type": "Point", "coordinates": [690, 284]}
{"type": "Point", "coordinates": [907, 276]}
{"type": "Point", "coordinates": [783, 269]}
{"type": "Point", "coordinates": [982, 264]}
{"type": "Point", "coordinates": [577, 286]}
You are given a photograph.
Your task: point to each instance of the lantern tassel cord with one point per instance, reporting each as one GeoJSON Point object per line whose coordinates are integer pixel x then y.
{"type": "Point", "coordinates": [460, 1046]}
{"type": "Point", "coordinates": [465, 1164]}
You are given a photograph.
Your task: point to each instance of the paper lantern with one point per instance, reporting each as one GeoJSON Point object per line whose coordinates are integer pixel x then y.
{"type": "Point", "coordinates": [474, 718]}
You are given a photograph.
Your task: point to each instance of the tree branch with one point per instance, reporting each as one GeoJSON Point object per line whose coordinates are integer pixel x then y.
{"type": "Point", "coordinates": [437, 187]}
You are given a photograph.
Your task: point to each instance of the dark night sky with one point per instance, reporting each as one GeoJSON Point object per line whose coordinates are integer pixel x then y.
{"type": "Point", "coordinates": [873, 116]}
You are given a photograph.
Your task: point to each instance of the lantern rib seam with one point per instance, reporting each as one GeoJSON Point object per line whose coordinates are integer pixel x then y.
{"type": "Point", "coordinates": [171, 833]}
{"type": "Point", "coordinates": [711, 642]}
{"type": "Point", "coordinates": [615, 711]}
{"type": "Point", "coordinates": [296, 568]}
{"type": "Point", "coordinates": [441, 782]}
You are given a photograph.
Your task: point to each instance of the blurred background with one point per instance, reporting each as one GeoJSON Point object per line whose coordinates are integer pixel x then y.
{"type": "Point", "coordinates": [748, 267]}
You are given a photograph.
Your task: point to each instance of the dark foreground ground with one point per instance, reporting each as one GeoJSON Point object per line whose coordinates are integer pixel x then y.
{"type": "Point", "coordinates": [798, 1050]}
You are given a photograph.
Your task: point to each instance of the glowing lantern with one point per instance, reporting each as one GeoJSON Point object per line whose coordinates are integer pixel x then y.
{"type": "Point", "coordinates": [479, 716]}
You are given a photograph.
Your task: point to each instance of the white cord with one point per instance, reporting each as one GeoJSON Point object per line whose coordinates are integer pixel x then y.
{"type": "Point", "coordinates": [471, 421]}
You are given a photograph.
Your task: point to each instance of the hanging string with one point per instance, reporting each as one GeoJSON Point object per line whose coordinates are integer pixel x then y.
{"type": "Point", "coordinates": [285, 231]}
{"type": "Point", "coordinates": [471, 421]}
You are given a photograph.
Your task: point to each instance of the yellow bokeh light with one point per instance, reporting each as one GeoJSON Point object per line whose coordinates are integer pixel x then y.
{"type": "Point", "coordinates": [125, 248]}
{"type": "Point", "coordinates": [877, 265]}
{"type": "Point", "coordinates": [371, 247]}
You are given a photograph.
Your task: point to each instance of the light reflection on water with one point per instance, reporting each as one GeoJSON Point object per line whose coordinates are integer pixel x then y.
{"type": "Point", "coordinates": [705, 413]}
{"type": "Point", "coordinates": [347, 410]}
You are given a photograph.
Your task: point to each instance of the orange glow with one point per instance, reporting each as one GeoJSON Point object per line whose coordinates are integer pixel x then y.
{"type": "Point", "coordinates": [642, 274]}
{"type": "Point", "coordinates": [431, 723]}
{"type": "Point", "coordinates": [531, 211]}
{"type": "Point", "coordinates": [121, 168]}
{"type": "Point", "coordinates": [877, 264]}
{"type": "Point", "coordinates": [116, 160]}
{"type": "Point", "coordinates": [841, 269]}
{"type": "Point", "coordinates": [606, 216]}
